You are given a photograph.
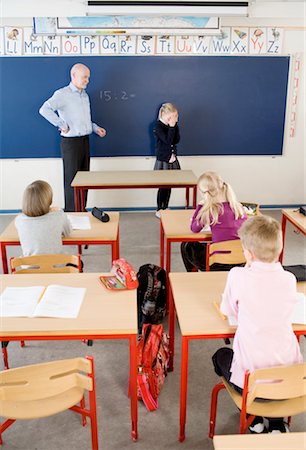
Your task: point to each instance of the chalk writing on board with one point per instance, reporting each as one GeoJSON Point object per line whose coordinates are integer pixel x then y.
{"type": "Point", "coordinates": [121, 95]}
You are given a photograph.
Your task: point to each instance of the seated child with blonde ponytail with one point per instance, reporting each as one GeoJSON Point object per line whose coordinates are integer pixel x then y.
{"type": "Point", "coordinates": [219, 209]}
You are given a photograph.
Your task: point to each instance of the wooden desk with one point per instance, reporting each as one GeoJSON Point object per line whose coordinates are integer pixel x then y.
{"type": "Point", "coordinates": [191, 297]}
{"type": "Point", "coordinates": [133, 179]}
{"type": "Point", "coordinates": [283, 441]}
{"type": "Point", "coordinates": [104, 314]}
{"type": "Point", "coordinates": [100, 234]}
{"type": "Point", "coordinates": [175, 227]}
{"type": "Point", "coordinates": [298, 221]}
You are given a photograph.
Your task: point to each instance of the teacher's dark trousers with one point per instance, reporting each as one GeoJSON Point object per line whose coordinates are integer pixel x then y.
{"type": "Point", "coordinates": [76, 157]}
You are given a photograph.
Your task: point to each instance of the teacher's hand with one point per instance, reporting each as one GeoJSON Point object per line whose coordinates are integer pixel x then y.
{"type": "Point", "coordinates": [101, 132]}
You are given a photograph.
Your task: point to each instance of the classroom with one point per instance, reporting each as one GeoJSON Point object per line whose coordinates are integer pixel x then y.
{"type": "Point", "coordinates": [239, 87]}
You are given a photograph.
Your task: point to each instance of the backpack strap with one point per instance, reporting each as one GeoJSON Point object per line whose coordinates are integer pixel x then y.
{"type": "Point", "coordinates": [145, 393]}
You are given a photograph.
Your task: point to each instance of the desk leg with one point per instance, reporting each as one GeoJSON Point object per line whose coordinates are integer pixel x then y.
{"type": "Point", "coordinates": [133, 387]}
{"type": "Point", "coordinates": [171, 327]}
{"type": "Point", "coordinates": [162, 245]}
{"type": "Point", "coordinates": [168, 260]}
{"type": "Point", "coordinates": [284, 223]}
{"type": "Point", "coordinates": [194, 204]}
{"type": "Point", "coordinates": [183, 398]}
{"type": "Point", "coordinates": [115, 248]}
{"type": "Point", "coordinates": [187, 198]}
{"type": "Point", "coordinates": [82, 194]}
{"type": "Point", "coordinates": [4, 258]}
{"type": "Point", "coordinates": [76, 199]}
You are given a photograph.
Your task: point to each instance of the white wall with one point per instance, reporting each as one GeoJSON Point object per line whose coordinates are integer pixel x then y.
{"type": "Point", "coordinates": [267, 180]}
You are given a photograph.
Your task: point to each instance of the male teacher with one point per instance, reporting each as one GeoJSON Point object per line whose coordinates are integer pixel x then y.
{"type": "Point", "coordinates": [69, 110]}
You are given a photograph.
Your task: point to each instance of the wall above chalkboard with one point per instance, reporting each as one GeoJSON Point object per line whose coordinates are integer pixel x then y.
{"type": "Point", "coordinates": [227, 105]}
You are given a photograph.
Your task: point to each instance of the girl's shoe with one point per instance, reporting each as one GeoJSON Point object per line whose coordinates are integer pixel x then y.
{"type": "Point", "coordinates": [258, 426]}
{"type": "Point", "coordinates": [278, 426]}
{"type": "Point", "coordinates": [157, 214]}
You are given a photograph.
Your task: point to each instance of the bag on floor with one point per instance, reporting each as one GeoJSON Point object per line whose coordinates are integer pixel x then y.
{"type": "Point", "coordinates": [153, 361]}
{"type": "Point", "coordinates": [151, 294]}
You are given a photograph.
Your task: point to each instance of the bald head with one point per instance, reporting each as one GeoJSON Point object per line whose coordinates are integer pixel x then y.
{"type": "Point", "coordinates": [80, 75]}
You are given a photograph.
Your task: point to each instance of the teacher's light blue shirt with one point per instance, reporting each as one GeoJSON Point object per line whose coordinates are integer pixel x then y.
{"type": "Point", "coordinates": [69, 107]}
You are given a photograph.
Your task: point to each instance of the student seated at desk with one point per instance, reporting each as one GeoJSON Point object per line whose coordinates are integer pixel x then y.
{"type": "Point", "coordinates": [40, 227]}
{"type": "Point", "coordinates": [262, 297]}
{"type": "Point", "coordinates": [219, 209]}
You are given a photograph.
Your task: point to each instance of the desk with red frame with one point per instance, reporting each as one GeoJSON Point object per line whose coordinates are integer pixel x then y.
{"type": "Point", "coordinates": [297, 219]}
{"type": "Point", "coordinates": [100, 233]}
{"type": "Point", "coordinates": [175, 227]}
{"type": "Point", "coordinates": [132, 179]}
{"type": "Point", "coordinates": [192, 299]}
{"type": "Point", "coordinates": [104, 314]}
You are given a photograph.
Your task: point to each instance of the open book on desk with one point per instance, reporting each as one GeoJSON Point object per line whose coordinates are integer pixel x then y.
{"type": "Point", "coordinates": [299, 313]}
{"type": "Point", "coordinates": [41, 301]}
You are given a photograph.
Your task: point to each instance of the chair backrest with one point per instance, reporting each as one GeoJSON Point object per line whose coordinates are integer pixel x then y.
{"type": "Point", "coordinates": [278, 383]}
{"type": "Point", "coordinates": [251, 209]}
{"type": "Point", "coordinates": [42, 382]}
{"type": "Point", "coordinates": [226, 252]}
{"type": "Point", "coordinates": [46, 264]}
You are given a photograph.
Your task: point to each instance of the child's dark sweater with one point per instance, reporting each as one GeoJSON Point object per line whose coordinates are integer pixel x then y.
{"type": "Point", "coordinates": [166, 140]}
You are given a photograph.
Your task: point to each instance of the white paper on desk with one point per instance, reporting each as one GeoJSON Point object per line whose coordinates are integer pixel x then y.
{"type": "Point", "coordinates": [19, 301]}
{"type": "Point", "coordinates": [206, 229]}
{"type": "Point", "coordinates": [60, 301]}
{"type": "Point", "coordinates": [79, 222]}
{"type": "Point", "coordinates": [299, 315]}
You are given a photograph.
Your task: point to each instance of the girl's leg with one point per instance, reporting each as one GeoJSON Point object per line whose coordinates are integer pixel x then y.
{"type": "Point", "coordinates": [159, 199]}
{"type": "Point", "coordinates": [167, 194]}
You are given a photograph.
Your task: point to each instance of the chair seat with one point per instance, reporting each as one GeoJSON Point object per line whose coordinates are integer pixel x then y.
{"type": "Point", "coordinates": [43, 407]}
{"type": "Point", "coordinates": [277, 408]}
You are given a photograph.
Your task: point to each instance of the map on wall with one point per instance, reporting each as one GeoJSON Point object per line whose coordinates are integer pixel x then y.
{"type": "Point", "coordinates": [125, 24]}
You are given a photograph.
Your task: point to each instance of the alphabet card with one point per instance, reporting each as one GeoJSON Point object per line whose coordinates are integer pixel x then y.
{"type": "Point", "coordinates": [221, 44]}
{"type": "Point", "coordinates": [240, 41]}
{"type": "Point", "coordinates": [1, 42]}
{"type": "Point", "coordinates": [52, 45]}
{"type": "Point", "coordinates": [165, 45]}
{"type": "Point", "coordinates": [71, 45]}
{"type": "Point", "coordinates": [90, 45]}
{"type": "Point", "coordinates": [109, 44]}
{"type": "Point", "coordinates": [13, 41]}
{"type": "Point", "coordinates": [275, 38]}
{"type": "Point", "coordinates": [258, 41]}
{"type": "Point", "coordinates": [201, 45]}
{"type": "Point", "coordinates": [32, 43]}
{"type": "Point", "coordinates": [184, 45]}
{"type": "Point", "coordinates": [146, 45]}
{"type": "Point", "coordinates": [127, 45]}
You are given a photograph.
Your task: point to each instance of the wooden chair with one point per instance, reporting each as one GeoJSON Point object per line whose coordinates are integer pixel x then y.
{"type": "Point", "coordinates": [41, 264]}
{"type": "Point", "coordinates": [42, 390]}
{"type": "Point", "coordinates": [285, 386]}
{"type": "Point", "coordinates": [226, 252]}
{"type": "Point", "coordinates": [46, 264]}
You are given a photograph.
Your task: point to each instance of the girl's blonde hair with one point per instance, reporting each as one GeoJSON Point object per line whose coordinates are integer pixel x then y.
{"type": "Point", "coordinates": [166, 108]}
{"type": "Point", "coordinates": [37, 199]}
{"type": "Point", "coordinates": [211, 186]}
{"type": "Point", "coordinates": [263, 236]}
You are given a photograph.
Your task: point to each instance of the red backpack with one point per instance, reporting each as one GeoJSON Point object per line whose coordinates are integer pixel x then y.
{"type": "Point", "coordinates": [153, 360]}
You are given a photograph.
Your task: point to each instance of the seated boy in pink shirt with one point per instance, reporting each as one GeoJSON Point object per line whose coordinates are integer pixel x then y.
{"type": "Point", "coordinates": [262, 296]}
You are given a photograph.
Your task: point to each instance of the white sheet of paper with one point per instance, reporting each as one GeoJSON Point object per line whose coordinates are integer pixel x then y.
{"type": "Point", "coordinates": [79, 222]}
{"type": "Point", "coordinates": [206, 229]}
{"type": "Point", "coordinates": [19, 301]}
{"type": "Point", "coordinates": [60, 301]}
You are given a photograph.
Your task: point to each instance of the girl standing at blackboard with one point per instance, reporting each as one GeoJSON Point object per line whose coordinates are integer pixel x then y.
{"type": "Point", "coordinates": [167, 136]}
